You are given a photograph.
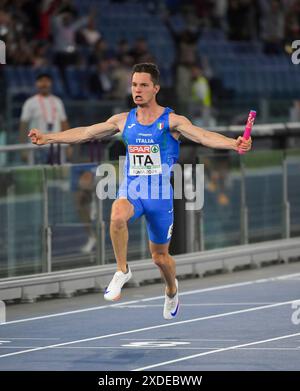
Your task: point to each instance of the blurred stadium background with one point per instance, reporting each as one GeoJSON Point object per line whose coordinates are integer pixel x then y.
{"type": "Point", "coordinates": [218, 60]}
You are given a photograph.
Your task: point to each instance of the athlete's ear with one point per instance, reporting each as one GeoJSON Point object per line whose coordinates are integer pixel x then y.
{"type": "Point", "coordinates": [157, 88]}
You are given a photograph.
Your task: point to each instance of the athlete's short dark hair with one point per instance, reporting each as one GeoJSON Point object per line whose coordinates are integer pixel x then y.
{"type": "Point", "coordinates": [148, 67]}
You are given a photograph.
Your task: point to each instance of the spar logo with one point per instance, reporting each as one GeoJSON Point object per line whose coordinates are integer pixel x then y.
{"type": "Point", "coordinates": [139, 148]}
{"type": "Point", "coordinates": [154, 149]}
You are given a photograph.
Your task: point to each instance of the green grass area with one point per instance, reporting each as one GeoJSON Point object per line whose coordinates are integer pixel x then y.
{"type": "Point", "coordinates": [263, 159]}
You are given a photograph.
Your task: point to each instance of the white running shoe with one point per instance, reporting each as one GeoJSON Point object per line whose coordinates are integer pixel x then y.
{"type": "Point", "coordinates": [90, 244]}
{"type": "Point", "coordinates": [171, 305]}
{"type": "Point", "coordinates": [113, 291]}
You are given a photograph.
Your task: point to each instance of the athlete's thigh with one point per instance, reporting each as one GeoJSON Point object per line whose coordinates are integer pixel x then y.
{"type": "Point", "coordinates": [134, 200]}
{"type": "Point", "coordinates": [159, 220]}
{"type": "Point", "coordinates": [122, 208]}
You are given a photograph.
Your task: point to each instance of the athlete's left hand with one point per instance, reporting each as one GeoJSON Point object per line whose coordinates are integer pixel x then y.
{"type": "Point", "coordinates": [243, 145]}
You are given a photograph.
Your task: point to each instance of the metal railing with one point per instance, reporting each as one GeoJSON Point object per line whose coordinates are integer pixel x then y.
{"type": "Point", "coordinates": [32, 153]}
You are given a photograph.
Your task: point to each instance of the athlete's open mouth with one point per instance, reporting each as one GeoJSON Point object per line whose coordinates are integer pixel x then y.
{"type": "Point", "coordinates": [138, 97]}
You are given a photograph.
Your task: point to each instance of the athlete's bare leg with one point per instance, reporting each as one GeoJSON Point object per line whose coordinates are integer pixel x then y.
{"type": "Point", "coordinates": [121, 212]}
{"type": "Point", "coordinates": [162, 259]}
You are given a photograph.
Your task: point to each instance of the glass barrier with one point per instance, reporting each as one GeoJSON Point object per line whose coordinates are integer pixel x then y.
{"type": "Point", "coordinates": [72, 215]}
{"type": "Point", "coordinates": [222, 200]}
{"type": "Point", "coordinates": [293, 190]}
{"type": "Point", "coordinates": [264, 194]}
{"type": "Point", "coordinates": [22, 205]}
{"type": "Point", "coordinates": [51, 218]}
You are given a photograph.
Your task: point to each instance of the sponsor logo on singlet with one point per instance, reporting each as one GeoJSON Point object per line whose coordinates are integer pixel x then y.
{"type": "Point", "coordinates": [144, 159]}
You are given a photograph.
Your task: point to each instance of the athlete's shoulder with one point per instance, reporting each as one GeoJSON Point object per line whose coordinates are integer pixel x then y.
{"type": "Point", "coordinates": [122, 115]}
{"type": "Point", "coordinates": [119, 120]}
{"type": "Point", "coordinates": [176, 119]}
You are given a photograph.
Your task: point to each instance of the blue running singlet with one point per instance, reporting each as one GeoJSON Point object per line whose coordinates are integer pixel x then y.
{"type": "Point", "coordinates": [151, 151]}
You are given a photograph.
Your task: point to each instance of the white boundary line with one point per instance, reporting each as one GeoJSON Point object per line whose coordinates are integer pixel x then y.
{"type": "Point", "coordinates": [149, 347]}
{"type": "Point", "coordinates": [203, 290]}
{"type": "Point", "coordinates": [214, 351]}
{"type": "Point", "coordinates": [150, 328]}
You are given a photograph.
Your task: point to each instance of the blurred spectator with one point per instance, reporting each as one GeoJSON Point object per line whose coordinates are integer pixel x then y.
{"type": "Point", "coordinates": [121, 77]}
{"type": "Point", "coordinates": [123, 49]}
{"type": "Point", "coordinates": [201, 98]}
{"type": "Point", "coordinates": [217, 172]}
{"type": "Point", "coordinates": [20, 53]}
{"type": "Point", "coordinates": [65, 27]}
{"type": "Point", "coordinates": [101, 83]}
{"type": "Point", "coordinates": [43, 111]}
{"type": "Point", "coordinates": [68, 6]}
{"type": "Point", "coordinates": [46, 10]}
{"type": "Point", "coordinates": [185, 42]}
{"type": "Point", "coordinates": [5, 24]}
{"type": "Point", "coordinates": [140, 51]}
{"type": "Point", "coordinates": [220, 13]}
{"type": "Point", "coordinates": [272, 26]}
{"type": "Point", "coordinates": [292, 25]}
{"type": "Point", "coordinates": [241, 21]}
{"type": "Point", "coordinates": [100, 52]}
{"type": "Point", "coordinates": [39, 55]}
{"type": "Point", "coordinates": [89, 35]}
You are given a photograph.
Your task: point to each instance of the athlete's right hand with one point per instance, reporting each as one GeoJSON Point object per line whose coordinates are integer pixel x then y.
{"type": "Point", "coordinates": [37, 137]}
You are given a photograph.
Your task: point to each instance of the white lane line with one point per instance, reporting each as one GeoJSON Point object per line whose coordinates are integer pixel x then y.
{"type": "Point", "coordinates": [151, 328]}
{"type": "Point", "coordinates": [213, 352]}
{"type": "Point", "coordinates": [171, 340]}
{"type": "Point", "coordinates": [195, 304]}
{"type": "Point", "coordinates": [39, 339]}
{"type": "Point", "coordinates": [203, 290]}
{"type": "Point", "coordinates": [144, 347]}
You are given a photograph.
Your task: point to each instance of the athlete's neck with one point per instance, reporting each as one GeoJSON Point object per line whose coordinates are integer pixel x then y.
{"type": "Point", "coordinates": [147, 114]}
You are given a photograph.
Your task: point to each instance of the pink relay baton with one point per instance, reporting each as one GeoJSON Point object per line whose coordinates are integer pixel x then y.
{"type": "Point", "coordinates": [248, 128]}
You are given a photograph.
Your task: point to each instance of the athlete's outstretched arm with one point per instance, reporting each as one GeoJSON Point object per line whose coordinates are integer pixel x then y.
{"type": "Point", "coordinates": [77, 135]}
{"type": "Point", "coordinates": [207, 138]}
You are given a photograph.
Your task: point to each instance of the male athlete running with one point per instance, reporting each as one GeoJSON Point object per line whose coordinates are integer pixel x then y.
{"type": "Point", "coordinates": [151, 134]}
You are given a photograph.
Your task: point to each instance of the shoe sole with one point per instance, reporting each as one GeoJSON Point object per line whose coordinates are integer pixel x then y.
{"type": "Point", "coordinates": [114, 299]}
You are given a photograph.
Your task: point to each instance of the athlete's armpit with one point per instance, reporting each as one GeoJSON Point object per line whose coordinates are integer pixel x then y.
{"type": "Point", "coordinates": [183, 125]}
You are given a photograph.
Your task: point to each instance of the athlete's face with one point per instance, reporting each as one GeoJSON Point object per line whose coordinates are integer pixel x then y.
{"type": "Point", "coordinates": [143, 89]}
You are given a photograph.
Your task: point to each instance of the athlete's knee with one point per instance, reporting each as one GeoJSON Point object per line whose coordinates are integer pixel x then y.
{"type": "Point", "coordinates": [118, 219]}
{"type": "Point", "coordinates": [121, 211]}
{"type": "Point", "coordinates": [118, 222]}
{"type": "Point", "coordinates": [159, 258]}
